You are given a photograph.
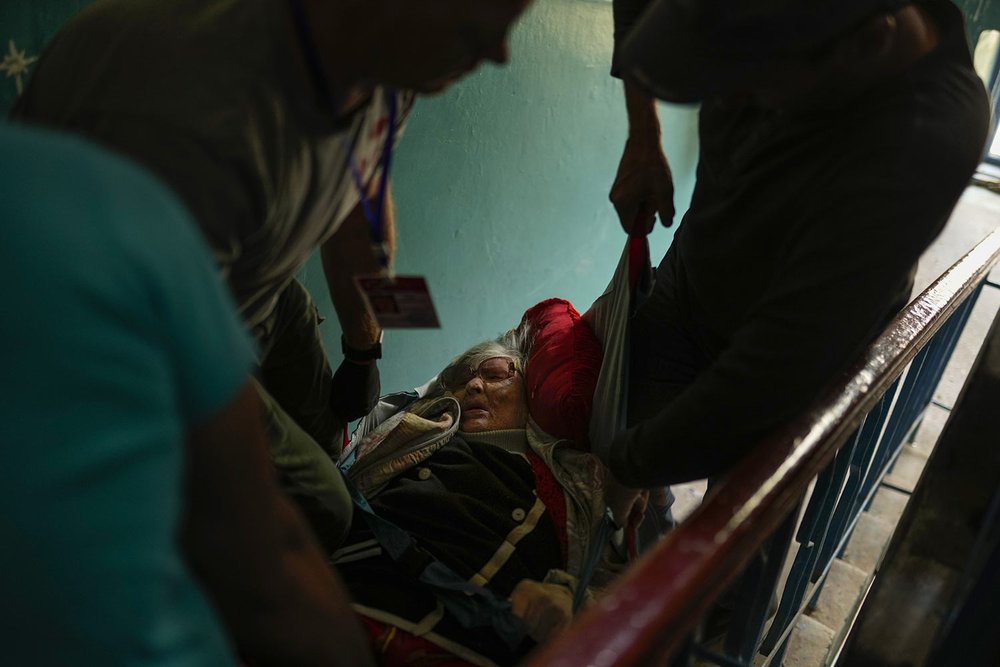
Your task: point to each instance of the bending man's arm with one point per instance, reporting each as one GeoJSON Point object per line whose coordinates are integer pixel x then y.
{"type": "Point", "coordinates": [253, 553]}
{"type": "Point", "coordinates": [349, 253]}
{"type": "Point", "coordinates": [346, 254]}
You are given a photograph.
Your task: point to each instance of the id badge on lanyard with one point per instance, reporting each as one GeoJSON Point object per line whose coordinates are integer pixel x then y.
{"type": "Point", "coordinates": [394, 301]}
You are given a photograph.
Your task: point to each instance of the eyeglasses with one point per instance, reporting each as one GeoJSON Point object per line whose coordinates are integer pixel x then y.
{"type": "Point", "coordinates": [490, 371]}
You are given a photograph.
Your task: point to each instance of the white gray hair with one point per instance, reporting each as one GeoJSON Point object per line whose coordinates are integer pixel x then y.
{"type": "Point", "coordinates": [515, 343]}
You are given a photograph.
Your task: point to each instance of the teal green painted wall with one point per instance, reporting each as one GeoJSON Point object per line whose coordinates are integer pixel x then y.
{"type": "Point", "coordinates": [502, 187]}
{"type": "Point", "coordinates": [980, 15]}
{"type": "Point", "coordinates": [26, 26]}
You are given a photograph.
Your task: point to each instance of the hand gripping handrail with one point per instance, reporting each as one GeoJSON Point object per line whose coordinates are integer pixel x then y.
{"type": "Point", "coordinates": [647, 615]}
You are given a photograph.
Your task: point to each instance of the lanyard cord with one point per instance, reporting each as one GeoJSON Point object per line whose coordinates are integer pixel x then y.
{"type": "Point", "coordinates": [373, 213]}
{"type": "Point", "coordinates": [375, 218]}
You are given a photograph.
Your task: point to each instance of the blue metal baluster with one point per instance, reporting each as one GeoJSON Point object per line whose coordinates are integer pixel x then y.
{"type": "Point", "coordinates": [853, 512]}
{"type": "Point", "coordinates": [893, 430]}
{"type": "Point", "coordinates": [959, 329]}
{"type": "Point", "coordinates": [815, 523]}
{"type": "Point", "coordinates": [757, 588]}
{"type": "Point", "coordinates": [864, 450]}
{"type": "Point", "coordinates": [842, 468]}
{"type": "Point", "coordinates": [924, 380]}
{"type": "Point", "coordinates": [950, 333]}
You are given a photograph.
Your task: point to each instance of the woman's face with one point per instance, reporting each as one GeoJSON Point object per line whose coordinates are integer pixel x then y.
{"type": "Point", "coordinates": [490, 405]}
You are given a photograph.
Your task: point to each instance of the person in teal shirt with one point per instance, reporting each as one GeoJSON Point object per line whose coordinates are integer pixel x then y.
{"type": "Point", "coordinates": [140, 522]}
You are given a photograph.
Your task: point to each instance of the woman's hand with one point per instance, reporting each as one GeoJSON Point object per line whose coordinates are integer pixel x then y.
{"type": "Point", "coordinates": [547, 609]}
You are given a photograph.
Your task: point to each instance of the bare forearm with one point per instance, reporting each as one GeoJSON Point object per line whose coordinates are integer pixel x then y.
{"type": "Point", "coordinates": [643, 187]}
{"type": "Point", "coordinates": [643, 118]}
{"type": "Point", "coordinates": [300, 633]}
{"type": "Point", "coordinates": [347, 254]}
{"type": "Point", "coordinates": [358, 326]}
{"type": "Point", "coordinates": [295, 612]}
{"type": "Point", "coordinates": [280, 602]}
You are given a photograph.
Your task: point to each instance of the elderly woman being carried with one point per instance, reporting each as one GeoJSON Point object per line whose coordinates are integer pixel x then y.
{"type": "Point", "coordinates": [464, 503]}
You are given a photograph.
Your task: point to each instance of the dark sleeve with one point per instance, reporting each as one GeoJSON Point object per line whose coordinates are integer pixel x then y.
{"type": "Point", "coordinates": [841, 279]}
{"type": "Point", "coordinates": [297, 373]}
{"type": "Point", "coordinates": [626, 14]}
{"type": "Point", "coordinates": [826, 304]}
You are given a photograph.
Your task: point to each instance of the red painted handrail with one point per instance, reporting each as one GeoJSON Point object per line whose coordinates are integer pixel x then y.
{"type": "Point", "coordinates": [647, 615]}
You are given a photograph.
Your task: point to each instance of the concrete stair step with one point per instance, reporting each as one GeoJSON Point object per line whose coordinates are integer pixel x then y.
{"type": "Point", "coordinates": [906, 472]}
{"type": "Point", "coordinates": [838, 601]}
{"type": "Point", "coordinates": [808, 645]}
{"type": "Point", "coordinates": [867, 544]}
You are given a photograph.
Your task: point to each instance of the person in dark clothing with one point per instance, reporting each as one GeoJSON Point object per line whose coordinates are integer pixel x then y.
{"type": "Point", "coordinates": [836, 138]}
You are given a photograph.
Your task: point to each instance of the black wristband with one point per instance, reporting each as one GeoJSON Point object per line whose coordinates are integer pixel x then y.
{"type": "Point", "coordinates": [351, 354]}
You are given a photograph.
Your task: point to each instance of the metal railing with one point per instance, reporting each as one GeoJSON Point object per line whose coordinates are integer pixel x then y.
{"type": "Point", "coordinates": [846, 443]}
